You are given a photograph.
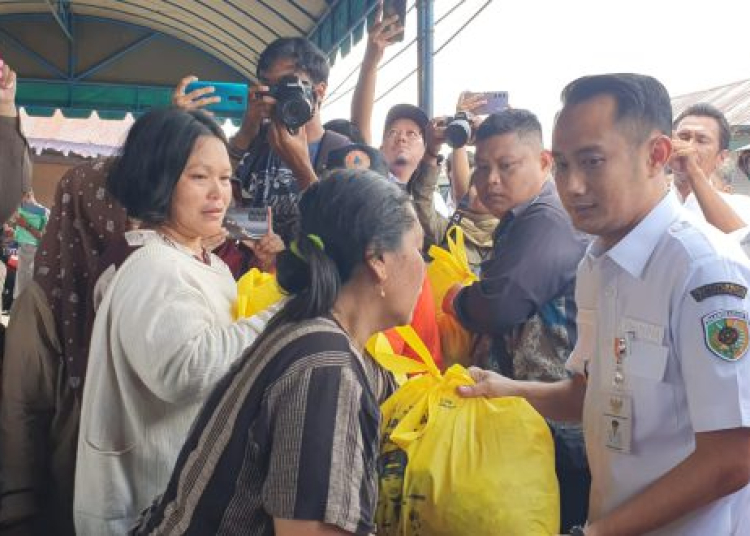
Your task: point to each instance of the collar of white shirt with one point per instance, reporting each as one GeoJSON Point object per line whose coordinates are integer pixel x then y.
{"type": "Point", "coordinates": [635, 249]}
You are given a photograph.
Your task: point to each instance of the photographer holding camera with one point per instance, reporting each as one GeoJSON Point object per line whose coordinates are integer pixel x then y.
{"type": "Point", "coordinates": [471, 216]}
{"type": "Point", "coordinates": [403, 144]}
{"type": "Point", "coordinates": [281, 146]}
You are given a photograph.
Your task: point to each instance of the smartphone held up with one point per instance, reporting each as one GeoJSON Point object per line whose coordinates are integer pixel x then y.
{"type": "Point", "coordinates": [396, 8]}
{"type": "Point", "coordinates": [233, 96]}
{"type": "Point", "coordinates": [244, 223]}
{"type": "Point", "coordinates": [494, 101]}
{"type": "Point", "coordinates": [459, 129]}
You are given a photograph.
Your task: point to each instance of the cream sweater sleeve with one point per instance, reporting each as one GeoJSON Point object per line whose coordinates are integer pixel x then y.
{"type": "Point", "coordinates": [177, 339]}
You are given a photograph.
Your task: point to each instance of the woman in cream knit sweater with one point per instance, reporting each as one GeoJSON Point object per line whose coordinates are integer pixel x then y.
{"type": "Point", "coordinates": [164, 333]}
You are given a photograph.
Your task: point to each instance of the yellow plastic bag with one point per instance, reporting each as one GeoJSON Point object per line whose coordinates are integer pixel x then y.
{"type": "Point", "coordinates": [400, 366]}
{"type": "Point", "coordinates": [447, 268]}
{"type": "Point", "coordinates": [256, 292]}
{"type": "Point", "coordinates": [454, 466]}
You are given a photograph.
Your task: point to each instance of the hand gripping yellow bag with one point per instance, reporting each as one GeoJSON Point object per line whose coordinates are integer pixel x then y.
{"type": "Point", "coordinates": [447, 268]}
{"type": "Point", "coordinates": [256, 292]}
{"type": "Point", "coordinates": [463, 467]}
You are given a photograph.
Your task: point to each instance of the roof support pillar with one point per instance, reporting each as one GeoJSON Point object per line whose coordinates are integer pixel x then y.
{"type": "Point", "coordinates": [425, 46]}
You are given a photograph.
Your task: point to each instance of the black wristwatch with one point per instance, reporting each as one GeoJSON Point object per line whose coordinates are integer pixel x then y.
{"type": "Point", "coordinates": [577, 531]}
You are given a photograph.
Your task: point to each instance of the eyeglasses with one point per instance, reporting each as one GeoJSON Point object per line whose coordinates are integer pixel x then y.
{"type": "Point", "coordinates": [410, 135]}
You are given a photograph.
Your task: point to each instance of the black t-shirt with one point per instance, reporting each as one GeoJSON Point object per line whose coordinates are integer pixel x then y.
{"type": "Point", "coordinates": [268, 181]}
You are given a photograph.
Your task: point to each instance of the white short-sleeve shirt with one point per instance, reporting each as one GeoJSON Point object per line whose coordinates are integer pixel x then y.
{"type": "Point", "coordinates": [742, 236]}
{"type": "Point", "coordinates": [740, 204]}
{"type": "Point", "coordinates": [686, 368]}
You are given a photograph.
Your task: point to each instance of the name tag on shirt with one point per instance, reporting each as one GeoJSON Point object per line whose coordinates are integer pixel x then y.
{"type": "Point", "coordinates": [617, 421]}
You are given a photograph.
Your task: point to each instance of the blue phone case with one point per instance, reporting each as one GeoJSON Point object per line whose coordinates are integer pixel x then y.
{"type": "Point", "coordinates": [233, 96]}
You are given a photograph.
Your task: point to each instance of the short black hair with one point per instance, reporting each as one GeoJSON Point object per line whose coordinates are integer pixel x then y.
{"type": "Point", "coordinates": [641, 100]}
{"type": "Point", "coordinates": [307, 58]}
{"type": "Point", "coordinates": [144, 175]}
{"type": "Point", "coordinates": [352, 212]}
{"type": "Point", "coordinates": [703, 109]}
{"type": "Point", "coordinates": [521, 122]}
{"type": "Point", "coordinates": [346, 128]}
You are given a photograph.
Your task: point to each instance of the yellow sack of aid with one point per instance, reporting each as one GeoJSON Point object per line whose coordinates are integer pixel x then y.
{"type": "Point", "coordinates": [256, 292]}
{"type": "Point", "coordinates": [451, 466]}
{"type": "Point", "coordinates": [447, 268]}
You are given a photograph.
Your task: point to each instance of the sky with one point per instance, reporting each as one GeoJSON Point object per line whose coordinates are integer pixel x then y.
{"type": "Point", "coordinates": [533, 48]}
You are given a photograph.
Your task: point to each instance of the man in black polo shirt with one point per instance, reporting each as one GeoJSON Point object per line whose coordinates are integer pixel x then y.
{"type": "Point", "coordinates": [524, 299]}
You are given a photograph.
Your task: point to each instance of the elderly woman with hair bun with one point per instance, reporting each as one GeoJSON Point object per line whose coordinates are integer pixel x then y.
{"type": "Point", "coordinates": [164, 333]}
{"type": "Point", "coordinates": [287, 443]}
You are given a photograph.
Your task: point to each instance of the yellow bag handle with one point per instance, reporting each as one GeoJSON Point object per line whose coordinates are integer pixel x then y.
{"type": "Point", "coordinates": [380, 349]}
{"type": "Point", "coordinates": [415, 342]}
{"type": "Point", "coordinates": [438, 253]}
{"type": "Point", "coordinates": [401, 365]}
{"type": "Point", "coordinates": [455, 256]}
{"type": "Point", "coordinates": [398, 364]}
{"type": "Point", "coordinates": [457, 246]}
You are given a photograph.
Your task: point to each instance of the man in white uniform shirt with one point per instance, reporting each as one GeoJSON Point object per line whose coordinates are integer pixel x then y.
{"type": "Point", "coordinates": [663, 327]}
{"type": "Point", "coordinates": [700, 148]}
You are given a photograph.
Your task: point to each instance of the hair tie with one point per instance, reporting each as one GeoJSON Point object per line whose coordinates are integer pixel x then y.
{"type": "Point", "coordinates": [315, 239]}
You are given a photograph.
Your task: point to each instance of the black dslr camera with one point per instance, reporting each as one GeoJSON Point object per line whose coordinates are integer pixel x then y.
{"type": "Point", "coordinates": [459, 130]}
{"type": "Point", "coordinates": [295, 102]}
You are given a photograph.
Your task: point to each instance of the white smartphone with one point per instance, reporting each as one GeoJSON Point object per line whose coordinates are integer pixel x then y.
{"type": "Point", "coordinates": [243, 223]}
{"type": "Point", "coordinates": [496, 101]}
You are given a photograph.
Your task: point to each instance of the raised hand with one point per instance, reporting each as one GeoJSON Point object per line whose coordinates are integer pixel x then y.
{"type": "Point", "coordinates": [267, 247]}
{"type": "Point", "coordinates": [470, 102]}
{"type": "Point", "coordinates": [8, 86]}
{"type": "Point", "coordinates": [195, 99]}
{"type": "Point", "coordinates": [382, 32]}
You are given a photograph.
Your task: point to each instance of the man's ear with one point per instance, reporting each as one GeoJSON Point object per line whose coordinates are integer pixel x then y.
{"type": "Point", "coordinates": [320, 90]}
{"type": "Point", "coordinates": [545, 160]}
{"type": "Point", "coordinates": [660, 150]}
{"type": "Point", "coordinates": [723, 155]}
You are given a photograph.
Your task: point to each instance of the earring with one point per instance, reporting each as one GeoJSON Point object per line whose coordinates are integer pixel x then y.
{"type": "Point", "coordinates": [382, 291]}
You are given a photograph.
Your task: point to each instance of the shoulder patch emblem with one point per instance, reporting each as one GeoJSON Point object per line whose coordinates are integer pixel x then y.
{"type": "Point", "coordinates": [726, 334]}
{"type": "Point", "coordinates": [719, 289]}
{"type": "Point", "coordinates": [357, 159]}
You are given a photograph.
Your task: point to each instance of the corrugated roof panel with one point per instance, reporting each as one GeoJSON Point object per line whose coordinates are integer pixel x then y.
{"type": "Point", "coordinates": [232, 32]}
{"type": "Point", "coordinates": [732, 99]}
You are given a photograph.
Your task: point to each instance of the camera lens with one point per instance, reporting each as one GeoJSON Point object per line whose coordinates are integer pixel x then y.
{"type": "Point", "coordinates": [458, 132]}
{"type": "Point", "coordinates": [295, 112]}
